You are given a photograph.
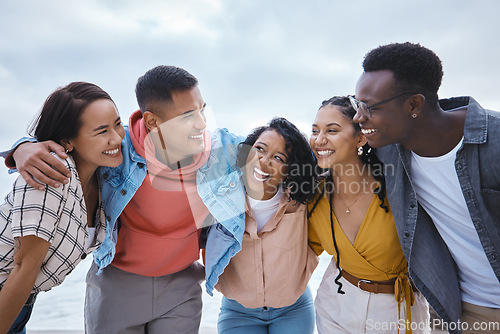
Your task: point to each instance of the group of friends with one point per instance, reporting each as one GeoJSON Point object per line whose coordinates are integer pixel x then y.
{"type": "Point", "coordinates": [402, 189]}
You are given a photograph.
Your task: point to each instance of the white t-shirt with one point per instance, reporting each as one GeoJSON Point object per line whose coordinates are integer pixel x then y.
{"type": "Point", "coordinates": [435, 181]}
{"type": "Point", "coordinates": [263, 210]}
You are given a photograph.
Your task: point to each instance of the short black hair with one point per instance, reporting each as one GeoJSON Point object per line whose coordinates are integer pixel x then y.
{"type": "Point", "coordinates": [301, 164]}
{"type": "Point", "coordinates": [60, 117]}
{"type": "Point", "coordinates": [157, 84]}
{"type": "Point", "coordinates": [415, 68]}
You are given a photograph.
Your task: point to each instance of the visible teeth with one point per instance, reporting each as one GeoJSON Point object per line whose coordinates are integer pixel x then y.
{"type": "Point", "coordinates": [368, 131]}
{"type": "Point", "coordinates": [325, 152]}
{"type": "Point", "coordinates": [258, 171]}
{"type": "Point", "coordinates": [111, 152]}
{"type": "Point", "coordinates": [196, 137]}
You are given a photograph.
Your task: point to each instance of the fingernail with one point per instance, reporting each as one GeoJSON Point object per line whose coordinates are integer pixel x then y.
{"type": "Point", "coordinates": [56, 185]}
{"type": "Point", "coordinates": [41, 188]}
{"type": "Point", "coordinates": [66, 181]}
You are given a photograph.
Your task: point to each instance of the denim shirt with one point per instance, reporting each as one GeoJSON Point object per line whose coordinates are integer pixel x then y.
{"type": "Point", "coordinates": [219, 186]}
{"type": "Point", "coordinates": [430, 263]}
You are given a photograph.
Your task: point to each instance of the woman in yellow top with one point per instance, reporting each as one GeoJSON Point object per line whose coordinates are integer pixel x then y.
{"type": "Point", "coordinates": [365, 288]}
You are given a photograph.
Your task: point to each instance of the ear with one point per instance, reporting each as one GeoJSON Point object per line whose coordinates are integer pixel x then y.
{"type": "Point", "coordinates": [361, 140]}
{"type": "Point", "coordinates": [416, 104]}
{"type": "Point", "coordinates": [150, 120]}
{"type": "Point", "coordinates": [67, 145]}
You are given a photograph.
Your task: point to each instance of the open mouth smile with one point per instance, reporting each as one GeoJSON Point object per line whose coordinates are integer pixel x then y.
{"type": "Point", "coordinates": [112, 152]}
{"type": "Point", "coordinates": [260, 175]}
{"type": "Point", "coordinates": [200, 136]}
{"type": "Point", "coordinates": [368, 131]}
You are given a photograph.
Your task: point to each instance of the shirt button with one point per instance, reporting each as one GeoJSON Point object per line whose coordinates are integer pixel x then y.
{"type": "Point", "coordinates": [140, 165]}
{"type": "Point", "coordinates": [105, 176]}
{"type": "Point", "coordinates": [232, 184]}
{"type": "Point", "coordinates": [407, 235]}
{"type": "Point", "coordinates": [123, 192]}
{"type": "Point", "coordinates": [83, 256]}
{"type": "Point", "coordinates": [412, 205]}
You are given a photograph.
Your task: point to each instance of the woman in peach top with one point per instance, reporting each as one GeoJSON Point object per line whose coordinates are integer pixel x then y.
{"type": "Point", "coordinates": [265, 284]}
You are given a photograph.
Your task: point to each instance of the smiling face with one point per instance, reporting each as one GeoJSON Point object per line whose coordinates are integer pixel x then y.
{"type": "Point", "coordinates": [334, 140]}
{"type": "Point", "coordinates": [390, 122]}
{"type": "Point", "coordinates": [99, 139]}
{"type": "Point", "coordinates": [181, 124]}
{"type": "Point", "coordinates": [266, 166]}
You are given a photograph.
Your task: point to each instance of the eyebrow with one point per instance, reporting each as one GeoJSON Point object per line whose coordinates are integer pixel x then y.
{"type": "Point", "coordinates": [105, 126]}
{"type": "Point", "coordinates": [329, 124]}
{"type": "Point", "coordinates": [264, 144]}
{"type": "Point", "coordinates": [190, 111]}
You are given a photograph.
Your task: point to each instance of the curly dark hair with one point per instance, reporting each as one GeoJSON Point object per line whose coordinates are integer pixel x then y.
{"type": "Point", "coordinates": [415, 68]}
{"type": "Point", "coordinates": [301, 165]}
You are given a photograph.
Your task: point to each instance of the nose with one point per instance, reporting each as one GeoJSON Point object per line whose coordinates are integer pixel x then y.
{"type": "Point", "coordinates": [200, 121]}
{"type": "Point", "coordinates": [263, 158]}
{"type": "Point", "coordinates": [320, 139]}
{"type": "Point", "coordinates": [359, 117]}
{"type": "Point", "coordinates": [116, 137]}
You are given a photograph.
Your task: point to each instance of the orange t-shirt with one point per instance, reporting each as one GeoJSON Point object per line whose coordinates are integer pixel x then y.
{"type": "Point", "coordinates": [159, 226]}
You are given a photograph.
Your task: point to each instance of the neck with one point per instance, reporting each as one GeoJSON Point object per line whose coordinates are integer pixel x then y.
{"type": "Point", "coordinates": [260, 195]}
{"type": "Point", "coordinates": [181, 163]}
{"type": "Point", "coordinates": [87, 175]}
{"type": "Point", "coordinates": [436, 132]}
{"type": "Point", "coordinates": [353, 179]}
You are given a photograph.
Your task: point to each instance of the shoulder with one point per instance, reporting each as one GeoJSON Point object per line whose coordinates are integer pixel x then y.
{"type": "Point", "coordinates": [318, 206]}
{"type": "Point", "coordinates": [69, 163]}
{"type": "Point", "coordinates": [223, 134]}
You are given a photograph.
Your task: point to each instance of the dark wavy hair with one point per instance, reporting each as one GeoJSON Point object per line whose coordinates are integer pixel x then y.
{"type": "Point", "coordinates": [301, 165]}
{"type": "Point", "coordinates": [59, 118]}
{"type": "Point", "coordinates": [368, 157]}
{"type": "Point", "coordinates": [415, 68]}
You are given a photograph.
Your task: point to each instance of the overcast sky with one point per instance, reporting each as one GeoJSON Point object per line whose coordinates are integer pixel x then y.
{"type": "Point", "coordinates": [254, 59]}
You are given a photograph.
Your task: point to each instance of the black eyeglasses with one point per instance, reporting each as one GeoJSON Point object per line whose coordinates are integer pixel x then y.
{"type": "Point", "coordinates": [365, 110]}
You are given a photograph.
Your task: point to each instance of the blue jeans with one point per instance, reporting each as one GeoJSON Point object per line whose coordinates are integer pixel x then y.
{"type": "Point", "coordinates": [19, 325]}
{"type": "Point", "coordinates": [297, 318]}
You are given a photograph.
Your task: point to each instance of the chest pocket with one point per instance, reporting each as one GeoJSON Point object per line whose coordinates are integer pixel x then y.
{"type": "Point", "coordinates": [291, 231]}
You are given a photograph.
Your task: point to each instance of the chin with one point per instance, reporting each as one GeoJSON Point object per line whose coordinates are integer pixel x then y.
{"type": "Point", "coordinates": [375, 144]}
{"type": "Point", "coordinates": [116, 163]}
{"type": "Point", "coordinates": [198, 149]}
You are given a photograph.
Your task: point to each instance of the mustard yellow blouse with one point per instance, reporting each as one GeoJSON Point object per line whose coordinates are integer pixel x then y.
{"type": "Point", "coordinates": [376, 253]}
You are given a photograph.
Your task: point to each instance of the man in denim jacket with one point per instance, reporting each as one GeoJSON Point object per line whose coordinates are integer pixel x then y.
{"type": "Point", "coordinates": [442, 181]}
{"type": "Point", "coordinates": [171, 166]}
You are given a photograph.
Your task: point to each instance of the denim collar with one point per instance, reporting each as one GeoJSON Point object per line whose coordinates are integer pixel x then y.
{"type": "Point", "coordinates": [476, 121]}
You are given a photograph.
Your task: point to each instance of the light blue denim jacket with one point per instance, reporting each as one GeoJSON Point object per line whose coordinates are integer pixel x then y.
{"type": "Point", "coordinates": [477, 164]}
{"type": "Point", "coordinates": [219, 186]}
